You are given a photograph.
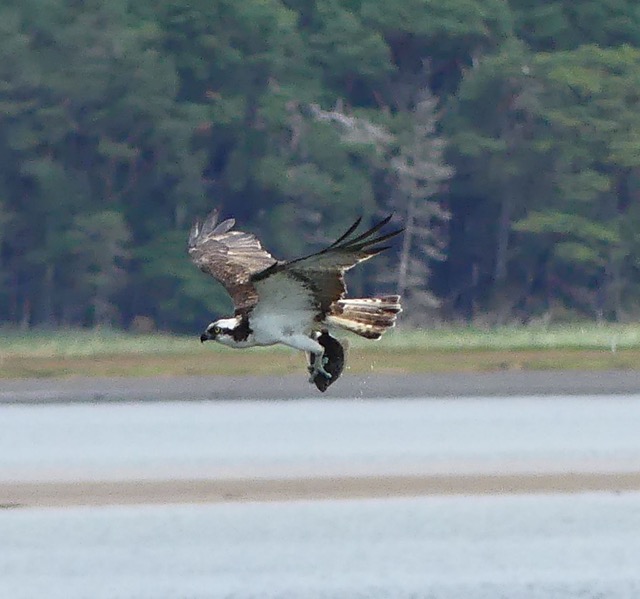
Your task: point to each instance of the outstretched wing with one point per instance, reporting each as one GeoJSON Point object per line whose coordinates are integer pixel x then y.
{"type": "Point", "coordinates": [323, 272]}
{"type": "Point", "coordinates": [231, 257]}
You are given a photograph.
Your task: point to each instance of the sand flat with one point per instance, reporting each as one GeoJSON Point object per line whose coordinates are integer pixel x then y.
{"type": "Point", "coordinates": [98, 493]}
{"type": "Point", "coordinates": [375, 385]}
{"type": "Point", "coordinates": [93, 453]}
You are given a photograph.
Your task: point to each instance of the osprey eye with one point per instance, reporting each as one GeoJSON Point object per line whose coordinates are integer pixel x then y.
{"type": "Point", "coordinates": [217, 330]}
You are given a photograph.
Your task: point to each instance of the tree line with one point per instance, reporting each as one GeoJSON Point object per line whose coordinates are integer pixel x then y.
{"type": "Point", "coordinates": [504, 134]}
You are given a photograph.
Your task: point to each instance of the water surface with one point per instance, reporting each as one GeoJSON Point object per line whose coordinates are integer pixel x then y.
{"type": "Point", "coordinates": [316, 438]}
{"type": "Point", "coordinates": [525, 547]}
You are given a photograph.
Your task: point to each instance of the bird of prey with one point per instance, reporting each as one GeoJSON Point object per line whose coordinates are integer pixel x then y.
{"type": "Point", "coordinates": [296, 302]}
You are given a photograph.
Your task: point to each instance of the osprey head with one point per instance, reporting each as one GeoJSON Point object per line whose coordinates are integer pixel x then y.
{"type": "Point", "coordinates": [223, 331]}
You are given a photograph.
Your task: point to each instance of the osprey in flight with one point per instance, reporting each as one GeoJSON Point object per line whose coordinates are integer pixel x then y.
{"type": "Point", "coordinates": [293, 302]}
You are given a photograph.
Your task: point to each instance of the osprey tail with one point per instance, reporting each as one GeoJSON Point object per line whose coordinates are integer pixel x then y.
{"type": "Point", "coordinates": [368, 317]}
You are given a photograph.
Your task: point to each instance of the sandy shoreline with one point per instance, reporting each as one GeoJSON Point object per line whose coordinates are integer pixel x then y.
{"type": "Point", "coordinates": [186, 388]}
{"type": "Point", "coordinates": [127, 492]}
{"type": "Point", "coordinates": [100, 493]}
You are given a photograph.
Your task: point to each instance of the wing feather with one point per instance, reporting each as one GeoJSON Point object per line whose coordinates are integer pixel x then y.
{"type": "Point", "coordinates": [231, 257]}
{"type": "Point", "coordinates": [323, 271]}
{"type": "Point", "coordinates": [346, 254]}
{"type": "Point", "coordinates": [348, 232]}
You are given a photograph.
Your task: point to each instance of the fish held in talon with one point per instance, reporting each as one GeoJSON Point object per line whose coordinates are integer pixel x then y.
{"type": "Point", "coordinates": [334, 362]}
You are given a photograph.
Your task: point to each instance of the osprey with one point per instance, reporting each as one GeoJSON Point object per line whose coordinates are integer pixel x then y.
{"type": "Point", "coordinates": [293, 302]}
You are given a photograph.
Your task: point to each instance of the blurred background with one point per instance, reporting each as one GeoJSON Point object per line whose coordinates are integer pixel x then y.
{"type": "Point", "coordinates": [504, 134]}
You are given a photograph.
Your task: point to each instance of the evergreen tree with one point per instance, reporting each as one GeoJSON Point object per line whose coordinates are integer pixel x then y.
{"type": "Point", "coordinates": [122, 121]}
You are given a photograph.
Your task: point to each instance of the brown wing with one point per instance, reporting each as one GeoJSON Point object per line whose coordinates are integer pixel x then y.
{"type": "Point", "coordinates": [323, 272]}
{"type": "Point", "coordinates": [231, 257]}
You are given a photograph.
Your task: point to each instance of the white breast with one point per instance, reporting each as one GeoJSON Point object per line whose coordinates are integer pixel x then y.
{"type": "Point", "coordinates": [286, 307]}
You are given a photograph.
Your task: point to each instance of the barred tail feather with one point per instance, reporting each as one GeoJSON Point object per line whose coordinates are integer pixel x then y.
{"type": "Point", "coordinates": [367, 317]}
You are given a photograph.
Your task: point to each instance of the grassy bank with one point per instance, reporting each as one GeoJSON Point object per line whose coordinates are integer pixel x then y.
{"type": "Point", "coordinates": [109, 353]}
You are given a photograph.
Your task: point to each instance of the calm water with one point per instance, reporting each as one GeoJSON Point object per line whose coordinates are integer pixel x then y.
{"type": "Point", "coordinates": [312, 437]}
{"type": "Point", "coordinates": [515, 547]}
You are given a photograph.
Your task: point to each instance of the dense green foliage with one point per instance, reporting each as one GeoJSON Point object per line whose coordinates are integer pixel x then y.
{"type": "Point", "coordinates": [504, 133]}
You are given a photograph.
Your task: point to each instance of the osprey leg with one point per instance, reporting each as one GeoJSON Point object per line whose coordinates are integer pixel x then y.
{"type": "Point", "coordinates": [318, 368]}
{"type": "Point", "coordinates": [307, 344]}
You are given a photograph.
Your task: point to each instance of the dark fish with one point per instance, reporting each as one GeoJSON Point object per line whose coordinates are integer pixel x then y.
{"type": "Point", "coordinates": [334, 352]}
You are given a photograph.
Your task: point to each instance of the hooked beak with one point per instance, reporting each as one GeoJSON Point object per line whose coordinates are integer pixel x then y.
{"type": "Point", "coordinates": [204, 337]}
